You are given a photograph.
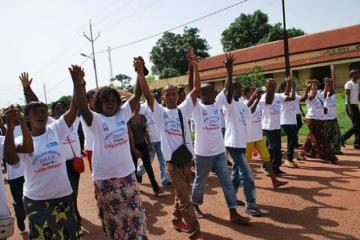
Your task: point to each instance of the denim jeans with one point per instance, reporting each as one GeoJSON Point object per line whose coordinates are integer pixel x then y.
{"type": "Point", "coordinates": [241, 175]}
{"type": "Point", "coordinates": [16, 189]}
{"type": "Point", "coordinates": [273, 142]}
{"type": "Point", "coordinates": [204, 164]}
{"type": "Point", "coordinates": [157, 149]}
{"type": "Point", "coordinates": [292, 139]}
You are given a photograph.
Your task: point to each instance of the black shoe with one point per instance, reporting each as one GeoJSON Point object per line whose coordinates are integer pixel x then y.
{"type": "Point", "coordinates": [279, 172]}
{"type": "Point", "coordinates": [139, 178]}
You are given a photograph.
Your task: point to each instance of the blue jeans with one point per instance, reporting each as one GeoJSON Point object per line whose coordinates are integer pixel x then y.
{"type": "Point", "coordinates": [241, 175]}
{"type": "Point", "coordinates": [157, 149]}
{"type": "Point", "coordinates": [203, 167]}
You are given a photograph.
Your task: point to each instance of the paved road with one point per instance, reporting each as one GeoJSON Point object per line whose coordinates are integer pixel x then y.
{"type": "Point", "coordinates": [321, 202]}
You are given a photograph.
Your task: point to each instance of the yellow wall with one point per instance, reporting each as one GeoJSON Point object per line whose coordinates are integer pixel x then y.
{"type": "Point", "coordinates": [341, 74]}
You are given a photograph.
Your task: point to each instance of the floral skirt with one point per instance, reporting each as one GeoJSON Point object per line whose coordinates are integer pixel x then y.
{"type": "Point", "coordinates": [52, 219]}
{"type": "Point", "coordinates": [316, 143]}
{"type": "Point", "coordinates": [121, 210]}
{"type": "Point", "coordinates": [333, 134]}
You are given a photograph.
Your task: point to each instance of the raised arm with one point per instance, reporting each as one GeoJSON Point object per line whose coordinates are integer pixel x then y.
{"type": "Point", "coordinates": [307, 90]}
{"type": "Point", "coordinates": [255, 99]}
{"type": "Point", "coordinates": [195, 91]}
{"type": "Point", "coordinates": [77, 75]}
{"type": "Point", "coordinates": [29, 94]}
{"type": "Point", "coordinates": [190, 53]}
{"type": "Point", "coordinates": [229, 89]}
{"type": "Point", "coordinates": [2, 126]}
{"type": "Point", "coordinates": [290, 90]}
{"type": "Point", "coordinates": [135, 99]}
{"type": "Point", "coordinates": [71, 114]}
{"type": "Point", "coordinates": [139, 68]}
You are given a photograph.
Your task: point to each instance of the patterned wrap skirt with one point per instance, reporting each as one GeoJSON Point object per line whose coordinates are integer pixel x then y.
{"type": "Point", "coordinates": [316, 143]}
{"type": "Point", "coordinates": [333, 134]}
{"type": "Point", "coordinates": [121, 210]}
{"type": "Point", "coordinates": [52, 219]}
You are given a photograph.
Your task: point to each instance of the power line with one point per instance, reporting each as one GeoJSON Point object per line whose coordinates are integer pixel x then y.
{"type": "Point", "coordinates": [65, 78]}
{"type": "Point", "coordinates": [129, 16]}
{"type": "Point", "coordinates": [171, 29]}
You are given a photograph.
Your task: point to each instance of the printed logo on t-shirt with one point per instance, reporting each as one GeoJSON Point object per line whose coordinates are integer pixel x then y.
{"type": "Point", "coordinates": [173, 127]}
{"type": "Point", "coordinates": [48, 159]}
{"type": "Point", "coordinates": [211, 122]}
{"type": "Point", "coordinates": [242, 117]}
{"type": "Point", "coordinates": [105, 127]}
{"type": "Point", "coordinates": [275, 108]}
{"type": "Point", "coordinates": [117, 137]}
{"type": "Point", "coordinates": [256, 117]}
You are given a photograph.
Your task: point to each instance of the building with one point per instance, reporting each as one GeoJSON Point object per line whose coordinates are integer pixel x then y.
{"type": "Point", "coordinates": [325, 54]}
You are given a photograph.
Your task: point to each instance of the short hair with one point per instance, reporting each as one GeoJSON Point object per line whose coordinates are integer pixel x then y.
{"type": "Point", "coordinates": [352, 72]}
{"type": "Point", "coordinates": [56, 103]}
{"type": "Point", "coordinates": [247, 89]}
{"type": "Point", "coordinates": [90, 94]}
{"type": "Point", "coordinates": [168, 86]}
{"type": "Point", "coordinates": [102, 94]}
{"type": "Point", "coordinates": [30, 106]}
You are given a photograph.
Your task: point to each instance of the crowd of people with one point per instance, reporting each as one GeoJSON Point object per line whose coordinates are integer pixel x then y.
{"type": "Point", "coordinates": [43, 154]}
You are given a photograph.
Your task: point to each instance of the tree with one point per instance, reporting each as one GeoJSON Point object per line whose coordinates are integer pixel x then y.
{"type": "Point", "coordinates": [252, 29]}
{"type": "Point", "coordinates": [169, 54]}
{"type": "Point", "coordinates": [253, 77]}
{"type": "Point", "coordinates": [125, 82]}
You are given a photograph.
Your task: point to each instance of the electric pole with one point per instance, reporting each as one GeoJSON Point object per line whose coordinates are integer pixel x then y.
{"type": "Point", "coordinates": [110, 63]}
{"type": "Point", "coordinates": [92, 40]}
{"type": "Point", "coordinates": [286, 43]}
{"type": "Point", "coordinates": [45, 94]}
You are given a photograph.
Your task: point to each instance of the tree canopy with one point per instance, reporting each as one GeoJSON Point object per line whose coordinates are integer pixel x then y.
{"type": "Point", "coordinates": [169, 54]}
{"type": "Point", "coordinates": [251, 29]}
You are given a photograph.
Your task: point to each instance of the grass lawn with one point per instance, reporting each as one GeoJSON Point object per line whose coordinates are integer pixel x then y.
{"type": "Point", "coordinates": [343, 119]}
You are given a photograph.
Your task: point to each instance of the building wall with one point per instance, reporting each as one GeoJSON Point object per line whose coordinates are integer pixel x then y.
{"type": "Point", "coordinates": [341, 74]}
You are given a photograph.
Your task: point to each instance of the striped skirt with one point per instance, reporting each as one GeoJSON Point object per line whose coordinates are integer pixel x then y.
{"type": "Point", "coordinates": [120, 208]}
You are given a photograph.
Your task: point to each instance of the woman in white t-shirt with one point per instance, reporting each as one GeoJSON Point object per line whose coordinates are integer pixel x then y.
{"type": "Point", "coordinates": [331, 125]}
{"type": "Point", "coordinates": [47, 190]}
{"type": "Point", "coordinates": [316, 144]}
{"type": "Point", "coordinates": [113, 168]}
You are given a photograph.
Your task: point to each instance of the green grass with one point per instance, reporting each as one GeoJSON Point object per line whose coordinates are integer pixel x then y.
{"type": "Point", "coordinates": [343, 119]}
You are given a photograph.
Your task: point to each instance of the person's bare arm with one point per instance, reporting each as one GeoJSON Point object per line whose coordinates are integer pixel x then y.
{"type": "Point", "coordinates": [195, 91]}
{"type": "Point", "coordinates": [190, 53]}
{"type": "Point", "coordinates": [135, 99]}
{"type": "Point", "coordinates": [254, 100]}
{"type": "Point", "coordinates": [27, 145]}
{"type": "Point", "coordinates": [29, 94]}
{"type": "Point", "coordinates": [139, 68]}
{"type": "Point", "coordinates": [229, 88]}
{"type": "Point", "coordinates": [290, 90]}
{"type": "Point", "coordinates": [134, 150]}
{"type": "Point", "coordinates": [306, 93]}
{"type": "Point", "coordinates": [77, 75]}
{"type": "Point", "coordinates": [71, 114]}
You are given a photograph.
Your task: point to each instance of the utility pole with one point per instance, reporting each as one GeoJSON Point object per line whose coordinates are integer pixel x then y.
{"type": "Point", "coordinates": [286, 43]}
{"type": "Point", "coordinates": [92, 40]}
{"type": "Point", "coordinates": [110, 63]}
{"type": "Point", "coordinates": [45, 94]}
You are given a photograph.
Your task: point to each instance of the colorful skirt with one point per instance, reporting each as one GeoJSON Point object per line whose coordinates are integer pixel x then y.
{"type": "Point", "coordinates": [121, 210]}
{"type": "Point", "coordinates": [52, 219]}
{"type": "Point", "coordinates": [316, 144]}
{"type": "Point", "coordinates": [333, 134]}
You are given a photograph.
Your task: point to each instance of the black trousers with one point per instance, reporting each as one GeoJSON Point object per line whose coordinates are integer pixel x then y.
{"type": "Point", "coordinates": [145, 157]}
{"type": "Point", "coordinates": [16, 189]}
{"type": "Point", "coordinates": [74, 178]}
{"type": "Point", "coordinates": [273, 142]}
{"type": "Point", "coordinates": [355, 129]}
{"type": "Point", "coordinates": [292, 139]}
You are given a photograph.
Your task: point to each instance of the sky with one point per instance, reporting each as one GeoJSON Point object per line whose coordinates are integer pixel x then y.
{"type": "Point", "coordinates": [45, 37]}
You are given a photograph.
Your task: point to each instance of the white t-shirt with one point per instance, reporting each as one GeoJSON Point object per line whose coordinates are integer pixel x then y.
{"type": "Point", "coordinates": [208, 135]}
{"type": "Point", "coordinates": [237, 118]}
{"type": "Point", "coordinates": [170, 129]}
{"type": "Point", "coordinates": [271, 112]}
{"type": "Point", "coordinates": [45, 170]}
{"type": "Point", "coordinates": [88, 137]}
{"type": "Point", "coordinates": [354, 91]}
{"type": "Point", "coordinates": [4, 211]}
{"type": "Point", "coordinates": [315, 108]}
{"type": "Point", "coordinates": [111, 148]}
{"type": "Point", "coordinates": [17, 170]}
{"type": "Point", "coordinates": [289, 109]}
{"type": "Point", "coordinates": [330, 104]}
{"type": "Point", "coordinates": [151, 125]}
{"type": "Point", "coordinates": [222, 119]}
{"type": "Point", "coordinates": [254, 128]}
{"type": "Point", "coordinates": [73, 138]}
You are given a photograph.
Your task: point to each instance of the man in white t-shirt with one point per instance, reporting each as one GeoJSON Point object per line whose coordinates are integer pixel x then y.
{"type": "Point", "coordinates": [352, 108]}
{"type": "Point", "coordinates": [270, 104]}
{"type": "Point", "coordinates": [155, 140]}
{"type": "Point", "coordinates": [210, 149]}
{"type": "Point", "coordinates": [174, 131]}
